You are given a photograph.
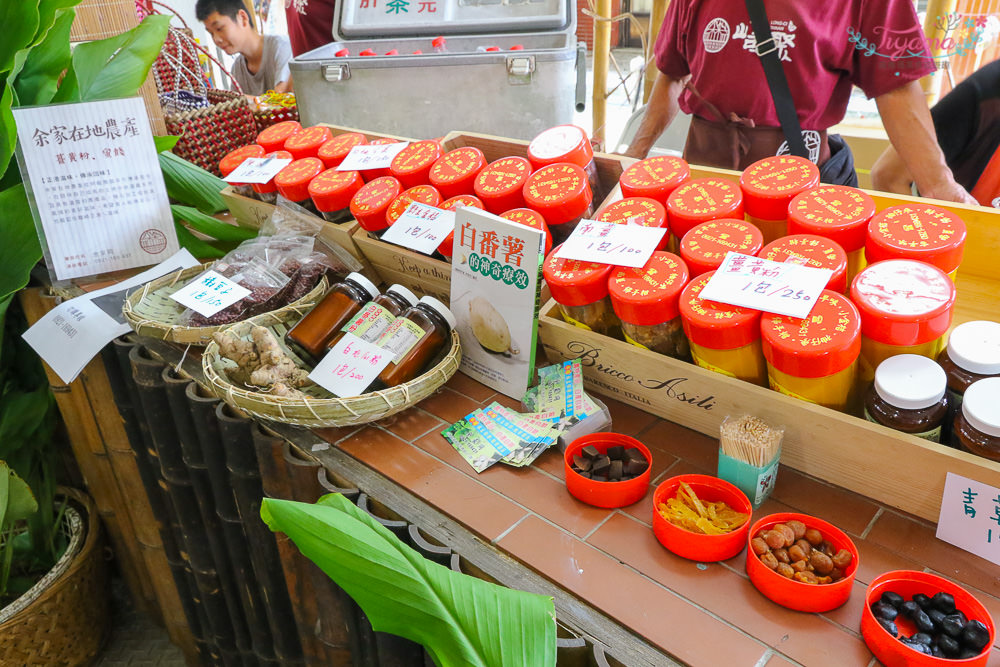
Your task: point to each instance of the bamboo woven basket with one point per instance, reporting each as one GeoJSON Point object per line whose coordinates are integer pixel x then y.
{"type": "Point", "coordinates": [322, 408]}
{"type": "Point", "coordinates": [151, 312]}
{"type": "Point", "coordinates": [68, 621]}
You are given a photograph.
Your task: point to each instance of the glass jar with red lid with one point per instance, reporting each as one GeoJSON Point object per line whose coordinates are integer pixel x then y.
{"type": "Point", "coordinates": [234, 159]}
{"type": "Point", "coordinates": [273, 138]}
{"type": "Point", "coordinates": [836, 212]}
{"type": "Point", "coordinates": [723, 338]}
{"type": "Point", "coordinates": [530, 218]}
{"type": "Point", "coordinates": [655, 177]}
{"type": "Point", "coordinates": [333, 152]}
{"type": "Point", "coordinates": [561, 193]}
{"type": "Point", "coordinates": [268, 192]}
{"type": "Point", "coordinates": [371, 174]}
{"type": "Point", "coordinates": [646, 301]}
{"type": "Point", "coordinates": [581, 290]}
{"type": "Point", "coordinates": [906, 308]}
{"type": "Point", "coordinates": [815, 358]}
{"type": "Point", "coordinates": [369, 204]}
{"type": "Point", "coordinates": [704, 247]}
{"type": "Point", "coordinates": [423, 194]}
{"type": "Point", "coordinates": [293, 181]}
{"type": "Point", "coordinates": [331, 192]}
{"type": "Point", "coordinates": [455, 172]}
{"type": "Point", "coordinates": [768, 187]}
{"type": "Point", "coordinates": [307, 141]}
{"type": "Point", "coordinates": [566, 143]}
{"type": "Point", "coordinates": [500, 185]}
{"type": "Point", "coordinates": [446, 247]}
{"type": "Point", "coordinates": [920, 232]}
{"type": "Point", "coordinates": [412, 165]}
{"type": "Point", "coordinates": [814, 251]}
{"type": "Point", "coordinates": [641, 211]}
{"type": "Point", "coordinates": [701, 200]}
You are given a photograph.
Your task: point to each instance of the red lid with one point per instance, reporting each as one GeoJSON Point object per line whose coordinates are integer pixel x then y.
{"type": "Point", "coordinates": [531, 218]}
{"type": "Point", "coordinates": [826, 342]}
{"type": "Point", "coordinates": [370, 202]}
{"type": "Point", "coordinates": [501, 184]}
{"type": "Point", "coordinates": [342, 53]}
{"type": "Point", "coordinates": [563, 143]}
{"type": "Point", "coordinates": [264, 188]}
{"type": "Point", "coordinates": [492, 48]}
{"type": "Point", "coordinates": [368, 52]}
{"type": "Point", "coordinates": [371, 174]}
{"type": "Point", "coordinates": [575, 283]}
{"type": "Point", "coordinates": [417, 52]}
{"type": "Point", "coordinates": [648, 295]}
{"type": "Point", "coordinates": [235, 158]}
{"type": "Point", "coordinates": [654, 177]}
{"type": "Point", "coordinates": [714, 324]}
{"type": "Point", "coordinates": [306, 143]}
{"type": "Point", "coordinates": [438, 42]}
{"type": "Point", "coordinates": [769, 185]}
{"type": "Point", "coordinates": [333, 152]}
{"type": "Point", "coordinates": [455, 172]}
{"type": "Point", "coordinates": [641, 211]}
{"type": "Point", "coordinates": [293, 181]}
{"type": "Point", "coordinates": [917, 231]}
{"type": "Point", "coordinates": [333, 190]}
{"type": "Point", "coordinates": [517, 47]}
{"type": "Point", "coordinates": [837, 212]}
{"type": "Point", "coordinates": [273, 138]}
{"type": "Point", "coordinates": [701, 200]}
{"type": "Point", "coordinates": [413, 164]}
{"type": "Point", "coordinates": [811, 250]}
{"type": "Point", "coordinates": [392, 52]}
{"type": "Point", "coordinates": [560, 192]}
{"type": "Point", "coordinates": [450, 205]}
{"type": "Point", "coordinates": [903, 302]}
{"type": "Point", "coordinates": [424, 194]}
{"type": "Point", "coordinates": [705, 246]}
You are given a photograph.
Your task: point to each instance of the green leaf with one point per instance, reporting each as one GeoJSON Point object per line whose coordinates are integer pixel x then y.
{"type": "Point", "coordinates": [190, 184]}
{"type": "Point", "coordinates": [8, 131]}
{"type": "Point", "coordinates": [47, 10]}
{"type": "Point", "coordinates": [209, 226]}
{"type": "Point", "coordinates": [44, 62]}
{"type": "Point", "coordinates": [117, 66]}
{"type": "Point", "coordinates": [19, 19]}
{"type": "Point", "coordinates": [165, 143]}
{"type": "Point", "coordinates": [200, 249]}
{"type": "Point", "coordinates": [459, 619]}
{"type": "Point", "coordinates": [16, 499]}
{"type": "Point", "coordinates": [20, 249]}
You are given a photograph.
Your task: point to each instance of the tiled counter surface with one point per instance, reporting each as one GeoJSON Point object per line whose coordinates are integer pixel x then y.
{"type": "Point", "coordinates": [700, 614]}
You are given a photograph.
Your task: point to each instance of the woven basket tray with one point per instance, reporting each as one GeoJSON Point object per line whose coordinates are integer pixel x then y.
{"type": "Point", "coordinates": [151, 312]}
{"type": "Point", "coordinates": [323, 408]}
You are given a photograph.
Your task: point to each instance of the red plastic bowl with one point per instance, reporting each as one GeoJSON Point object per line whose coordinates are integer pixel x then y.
{"type": "Point", "coordinates": [795, 594]}
{"type": "Point", "coordinates": [695, 546]}
{"type": "Point", "coordinates": [606, 494]}
{"type": "Point", "coordinates": [892, 652]}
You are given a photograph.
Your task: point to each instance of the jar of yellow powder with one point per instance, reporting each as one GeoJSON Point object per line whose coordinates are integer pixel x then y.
{"type": "Point", "coordinates": [704, 247]}
{"type": "Point", "coordinates": [769, 185]}
{"type": "Point", "coordinates": [836, 212]}
{"type": "Point", "coordinates": [813, 251]}
{"type": "Point", "coordinates": [921, 232]}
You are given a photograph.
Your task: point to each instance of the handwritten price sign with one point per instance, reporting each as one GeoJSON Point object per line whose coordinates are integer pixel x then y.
{"type": "Point", "coordinates": [378, 156]}
{"type": "Point", "coordinates": [257, 170]}
{"type": "Point", "coordinates": [611, 243]}
{"type": "Point", "coordinates": [421, 228]}
{"type": "Point", "coordinates": [970, 516]}
{"type": "Point", "coordinates": [350, 367]}
{"type": "Point", "coordinates": [209, 293]}
{"type": "Point", "coordinates": [773, 287]}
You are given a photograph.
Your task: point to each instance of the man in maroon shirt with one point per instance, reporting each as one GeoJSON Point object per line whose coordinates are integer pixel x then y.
{"type": "Point", "coordinates": [310, 24]}
{"type": "Point", "coordinates": [708, 67]}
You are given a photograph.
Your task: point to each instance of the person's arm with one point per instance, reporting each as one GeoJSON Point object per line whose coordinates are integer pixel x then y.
{"type": "Point", "coordinates": [285, 86]}
{"type": "Point", "coordinates": [661, 110]}
{"type": "Point", "coordinates": [889, 174]}
{"type": "Point", "coordinates": [907, 121]}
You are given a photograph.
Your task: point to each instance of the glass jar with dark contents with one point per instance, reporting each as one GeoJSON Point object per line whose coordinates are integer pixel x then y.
{"type": "Point", "coordinates": [235, 158]}
{"type": "Point", "coordinates": [331, 192]}
{"type": "Point", "coordinates": [268, 192]}
{"type": "Point", "coordinates": [908, 396]}
{"type": "Point", "coordinates": [646, 300]}
{"type": "Point", "coordinates": [414, 338]}
{"type": "Point", "coordinates": [293, 181]}
{"type": "Point", "coordinates": [377, 315]}
{"type": "Point", "coordinates": [369, 204]}
{"type": "Point", "coordinates": [333, 152]}
{"type": "Point", "coordinates": [273, 138]}
{"type": "Point", "coordinates": [314, 331]}
{"type": "Point", "coordinates": [972, 354]}
{"type": "Point", "coordinates": [977, 426]}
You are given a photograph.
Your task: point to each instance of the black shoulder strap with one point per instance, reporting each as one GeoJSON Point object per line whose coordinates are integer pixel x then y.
{"type": "Point", "coordinates": [767, 51]}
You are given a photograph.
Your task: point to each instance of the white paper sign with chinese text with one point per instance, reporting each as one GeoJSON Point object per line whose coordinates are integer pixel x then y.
{"type": "Point", "coordinates": [99, 200]}
{"type": "Point", "coordinates": [970, 517]}
{"type": "Point", "coordinates": [421, 228]}
{"type": "Point", "coordinates": [371, 156]}
{"type": "Point", "coordinates": [611, 243]}
{"type": "Point", "coordinates": [495, 279]}
{"type": "Point", "coordinates": [350, 367]}
{"type": "Point", "coordinates": [209, 293]}
{"type": "Point", "coordinates": [773, 287]}
{"type": "Point", "coordinates": [257, 170]}
{"type": "Point", "coordinates": [71, 334]}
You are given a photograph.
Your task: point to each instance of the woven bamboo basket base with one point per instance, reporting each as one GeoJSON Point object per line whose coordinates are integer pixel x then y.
{"type": "Point", "coordinates": [322, 408]}
{"type": "Point", "coordinates": [151, 312]}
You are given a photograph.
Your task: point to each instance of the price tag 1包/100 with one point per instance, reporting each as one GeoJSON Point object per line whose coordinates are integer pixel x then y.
{"type": "Point", "coordinates": [772, 287]}
{"type": "Point", "coordinates": [611, 243]}
{"type": "Point", "coordinates": [209, 293]}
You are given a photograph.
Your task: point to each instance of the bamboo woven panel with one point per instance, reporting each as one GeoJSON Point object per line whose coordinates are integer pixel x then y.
{"type": "Point", "coordinates": [97, 19]}
{"type": "Point", "coordinates": [322, 408]}
{"type": "Point", "coordinates": [151, 312]}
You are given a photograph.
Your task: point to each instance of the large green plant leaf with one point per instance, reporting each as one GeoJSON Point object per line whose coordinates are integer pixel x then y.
{"type": "Point", "coordinates": [190, 184]}
{"type": "Point", "coordinates": [39, 67]}
{"type": "Point", "coordinates": [459, 619]}
{"type": "Point", "coordinates": [209, 226]}
{"type": "Point", "coordinates": [19, 22]}
{"type": "Point", "coordinates": [200, 249]}
{"type": "Point", "coordinates": [19, 249]}
{"type": "Point", "coordinates": [8, 132]}
{"type": "Point", "coordinates": [117, 66]}
{"type": "Point", "coordinates": [47, 10]}
{"type": "Point", "coordinates": [16, 500]}
{"type": "Point", "coordinates": [165, 143]}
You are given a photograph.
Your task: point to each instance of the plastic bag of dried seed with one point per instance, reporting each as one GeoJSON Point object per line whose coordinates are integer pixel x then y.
{"type": "Point", "coordinates": [263, 281]}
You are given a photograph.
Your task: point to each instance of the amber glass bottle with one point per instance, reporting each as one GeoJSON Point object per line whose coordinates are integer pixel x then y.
{"type": "Point", "coordinates": [323, 322]}
{"type": "Point", "coordinates": [414, 338]}
{"type": "Point", "coordinates": [370, 322]}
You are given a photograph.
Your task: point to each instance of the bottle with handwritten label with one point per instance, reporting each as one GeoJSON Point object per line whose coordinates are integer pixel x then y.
{"type": "Point", "coordinates": [581, 290]}
{"type": "Point", "coordinates": [415, 338]}
{"type": "Point", "coordinates": [293, 181]}
{"type": "Point", "coordinates": [314, 331]}
{"type": "Point", "coordinates": [701, 200]}
{"type": "Point", "coordinates": [919, 232]}
{"type": "Point", "coordinates": [655, 177]}
{"type": "Point", "coordinates": [369, 204]}
{"type": "Point", "coordinates": [769, 185]}
{"type": "Point", "coordinates": [646, 301]}
{"type": "Point", "coordinates": [375, 317]}
{"type": "Point", "coordinates": [561, 193]}
{"type": "Point", "coordinates": [235, 158]}
{"type": "Point", "coordinates": [641, 211]}
{"type": "Point", "coordinates": [977, 426]}
{"type": "Point", "coordinates": [908, 395]}
{"type": "Point", "coordinates": [371, 174]}
{"type": "Point", "coordinates": [421, 194]}
{"type": "Point", "coordinates": [704, 246]}
{"type": "Point", "coordinates": [268, 192]}
{"type": "Point", "coordinates": [331, 193]}
{"type": "Point", "coordinates": [838, 213]}
{"type": "Point", "coordinates": [813, 251]}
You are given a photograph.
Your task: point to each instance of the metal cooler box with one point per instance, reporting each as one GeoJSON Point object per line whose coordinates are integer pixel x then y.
{"type": "Point", "coordinates": [509, 93]}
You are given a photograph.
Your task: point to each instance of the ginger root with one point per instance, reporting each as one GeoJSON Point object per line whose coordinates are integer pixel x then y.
{"type": "Point", "coordinates": [282, 389]}
{"type": "Point", "coordinates": [260, 361]}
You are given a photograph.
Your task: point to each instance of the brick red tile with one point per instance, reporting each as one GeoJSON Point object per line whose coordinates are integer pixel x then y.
{"type": "Point", "coordinates": [625, 418]}
{"type": "Point", "coordinates": [779, 661]}
{"type": "Point", "coordinates": [848, 511]}
{"type": "Point", "coordinates": [506, 401]}
{"type": "Point", "coordinates": [849, 614]}
{"type": "Point", "coordinates": [466, 386]}
{"type": "Point", "coordinates": [448, 405]}
{"type": "Point", "coordinates": [806, 638]}
{"type": "Point", "coordinates": [875, 560]}
{"type": "Point", "coordinates": [551, 461]}
{"type": "Point", "coordinates": [334, 434]}
{"type": "Point", "coordinates": [678, 627]}
{"type": "Point", "coordinates": [411, 424]}
{"type": "Point", "coordinates": [682, 443]}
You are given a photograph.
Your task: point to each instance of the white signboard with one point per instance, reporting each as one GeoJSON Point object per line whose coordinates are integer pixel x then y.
{"type": "Point", "coordinates": [421, 228]}
{"type": "Point", "coordinates": [970, 517]}
{"type": "Point", "coordinates": [257, 170]}
{"type": "Point", "coordinates": [773, 287]}
{"type": "Point", "coordinates": [611, 243]}
{"type": "Point", "coordinates": [209, 293]}
{"type": "Point", "coordinates": [371, 156]}
{"type": "Point", "coordinates": [350, 367]}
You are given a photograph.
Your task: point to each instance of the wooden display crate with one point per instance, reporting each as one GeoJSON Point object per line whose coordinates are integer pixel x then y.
{"type": "Point", "coordinates": [899, 470]}
{"type": "Point", "coordinates": [432, 277]}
